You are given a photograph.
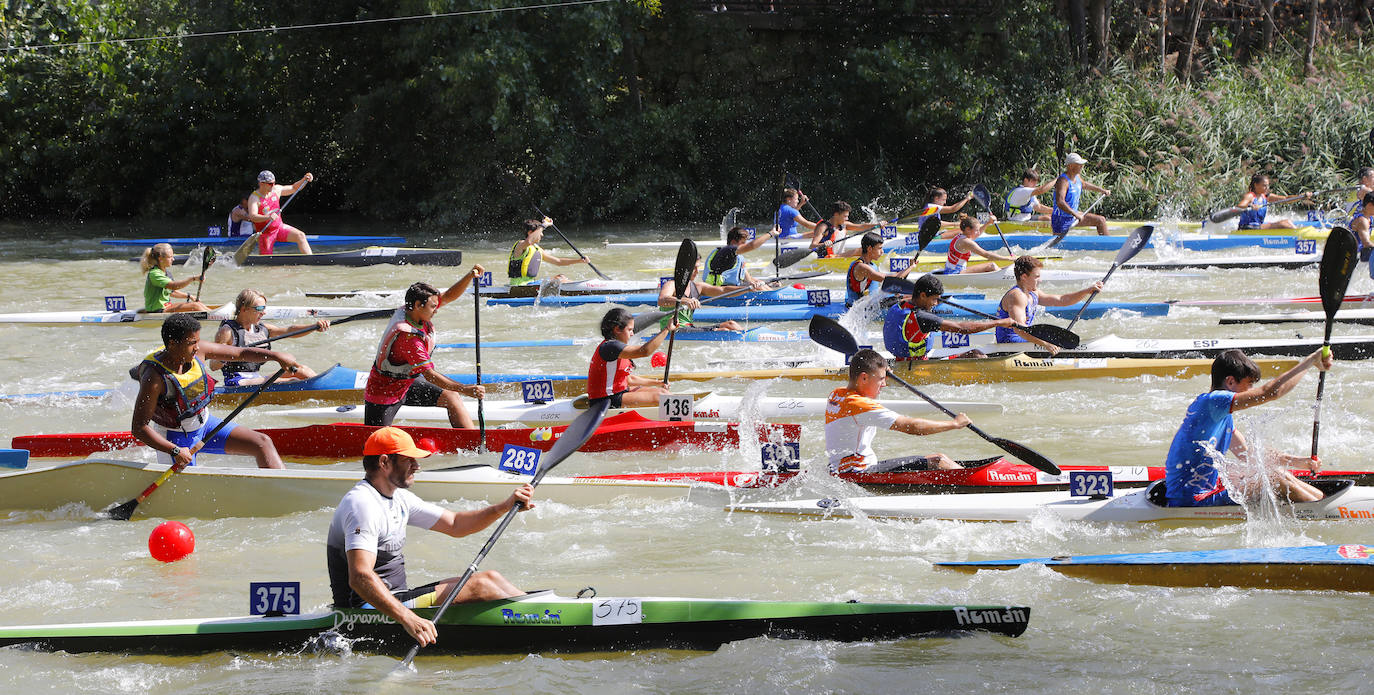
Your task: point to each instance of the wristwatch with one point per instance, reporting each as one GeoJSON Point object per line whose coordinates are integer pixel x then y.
{"type": "Point", "coordinates": [175, 452]}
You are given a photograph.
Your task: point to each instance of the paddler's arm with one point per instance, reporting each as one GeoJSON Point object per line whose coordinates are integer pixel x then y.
{"type": "Point", "coordinates": [1280, 385]}
{"type": "Point", "coordinates": [1070, 298]}
{"type": "Point", "coordinates": [150, 388]}
{"type": "Point", "coordinates": [459, 524]}
{"type": "Point", "coordinates": [645, 349]}
{"type": "Point", "coordinates": [1096, 188]}
{"type": "Point", "coordinates": [950, 209]}
{"type": "Point", "coordinates": [225, 336]}
{"type": "Point", "coordinates": [366, 584]}
{"type": "Point", "coordinates": [990, 255]}
{"type": "Point", "coordinates": [948, 326]}
{"type": "Point", "coordinates": [290, 190]}
{"type": "Point", "coordinates": [550, 258]}
{"type": "Point", "coordinates": [457, 289]}
{"type": "Point", "coordinates": [436, 378]}
{"type": "Point", "coordinates": [1015, 306]}
{"type": "Point", "coordinates": [229, 353]}
{"type": "Point", "coordinates": [757, 241]}
{"type": "Point", "coordinates": [254, 205]}
{"type": "Point", "coordinates": [920, 426]}
{"type": "Point", "coordinates": [273, 331]}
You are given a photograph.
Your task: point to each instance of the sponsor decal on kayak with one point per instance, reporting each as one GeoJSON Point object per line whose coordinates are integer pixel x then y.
{"type": "Point", "coordinates": [985, 617]}
{"type": "Point", "coordinates": [1031, 363]}
{"type": "Point", "coordinates": [1348, 513]}
{"type": "Point", "coordinates": [342, 619]}
{"type": "Point", "coordinates": [1353, 552]}
{"type": "Point", "coordinates": [1012, 477]}
{"type": "Point", "coordinates": [515, 617]}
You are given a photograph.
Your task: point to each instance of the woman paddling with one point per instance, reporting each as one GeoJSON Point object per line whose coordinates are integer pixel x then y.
{"type": "Point", "coordinates": [247, 327]}
{"type": "Point", "coordinates": [609, 374]}
{"type": "Point", "coordinates": [965, 245]}
{"type": "Point", "coordinates": [1019, 302]}
{"type": "Point", "coordinates": [159, 289]}
{"type": "Point", "coordinates": [789, 216]}
{"type": "Point", "coordinates": [829, 230]}
{"type": "Point", "coordinates": [526, 256]}
{"type": "Point", "coordinates": [1255, 205]}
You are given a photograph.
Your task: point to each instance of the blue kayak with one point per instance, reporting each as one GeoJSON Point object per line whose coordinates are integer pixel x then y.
{"type": "Point", "coordinates": [1317, 567]}
{"type": "Point", "coordinates": [1111, 243]}
{"type": "Point", "coordinates": [236, 241]}
{"type": "Point", "coordinates": [785, 296]}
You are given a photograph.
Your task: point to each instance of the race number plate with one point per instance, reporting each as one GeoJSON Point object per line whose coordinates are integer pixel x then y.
{"type": "Point", "coordinates": [274, 598]}
{"type": "Point", "coordinates": [538, 392]}
{"type": "Point", "coordinates": [380, 251]}
{"type": "Point", "coordinates": [912, 240]}
{"type": "Point", "coordinates": [675, 406]}
{"type": "Point", "coordinates": [214, 230]}
{"type": "Point", "coordinates": [617, 611]}
{"type": "Point", "coordinates": [954, 340]}
{"type": "Point", "coordinates": [1090, 483]}
{"type": "Point", "coordinates": [777, 457]}
{"type": "Point", "coordinates": [817, 297]}
{"type": "Point", "coordinates": [1305, 247]}
{"type": "Point", "coordinates": [485, 280]}
{"type": "Point", "coordinates": [889, 232]}
{"type": "Point", "coordinates": [751, 232]}
{"type": "Point", "coordinates": [115, 303]}
{"type": "Point", "coordinates": [897, 265]}
{"type": "Point", "coordinates": [520, 460]}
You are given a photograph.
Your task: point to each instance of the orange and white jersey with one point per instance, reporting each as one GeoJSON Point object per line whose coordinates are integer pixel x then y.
{"type": "Point", "coordinates": [851, 422]}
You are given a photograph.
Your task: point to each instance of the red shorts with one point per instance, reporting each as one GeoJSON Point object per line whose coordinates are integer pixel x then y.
{"type": "Point", "coordinates": [275, 232]}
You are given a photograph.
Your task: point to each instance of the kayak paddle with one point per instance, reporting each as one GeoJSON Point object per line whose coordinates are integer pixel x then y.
{"type": "Point", "coordinates": [570, 244]}
{"type": "Point", "coordinates": [1231, 213]}
{"type": "Point", "coordinates": [477, 356]}
{"type": "Point", "coordinates": [246, 248]}
{"type": "Point", "coordinates": [682, 277]}
{"type": "Point", "coordinates": [576, 434]}
{"type": "Point", "coordinates": [980, 194]}
{"type": "Point", "coordinates": [648, 318]}
{"type": "Point", "coordinates": [125, 511]}
{"type": "Point", "coordinates": [1139, 237]}
{"type": "Point", "coordinates": [829, 333]}
{"type": "Point", "coordinates": [364, 316]}
{"type": "Point", "coordinates": [1049, 333]}
{"type": "Point", "coordinates": [1339, 259]}
{"type": "Point", "coordinates": [207, 259]}
{"type": "Point", "coordinates": [794, 183]}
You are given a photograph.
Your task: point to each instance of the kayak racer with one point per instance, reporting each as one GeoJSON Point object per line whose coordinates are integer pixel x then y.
{"type": "Point", "coordinates": [264, 210]}
{"type": "Point", "coordinates": [1068, 191]}
{"type": "Point", "coordinates": [247, 327]}
{"type": "Point", "coordinates": [1023, 204]}
{"type": "Point", "coordinates": [609, 373]}
{"type": "Point", "coordinates": [830, 229]}
{"type": "Point", "coordinates": [909, 323]}
{"type": "Point", "coordinates": [526, 256]}
{"type": "Point", "coordinates": [1021, 301]}
{"type": "Point", "coordinates": [965, 244]}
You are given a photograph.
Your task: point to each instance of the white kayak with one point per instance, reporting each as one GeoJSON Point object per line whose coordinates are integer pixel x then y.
{"type": "Point", "coordinates": [1361, 316]}
{"type": "Point", "coordinates": [578, 287]}
{"type": "Point", "coordinates": [1270, 261]}
{"type": "Point", "coordinates": [1344, 347]}
{"type": "Point", "coordinates": [1005, 278]}
{"type": "Point", "coordinates": [706, 406]}
{"type": "Point", "coordinates": [218, 313]}
{"type": "Point", "coordinates": [1343, 500]}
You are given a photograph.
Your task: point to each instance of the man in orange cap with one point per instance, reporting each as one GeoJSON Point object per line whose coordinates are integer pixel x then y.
{"type": "Point", "coordinates": [368, 533]}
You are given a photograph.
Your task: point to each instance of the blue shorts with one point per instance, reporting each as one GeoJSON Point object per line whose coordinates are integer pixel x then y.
{"type": "Point", "coordinates": [1057, 227]}
{"type": "Point", "coordinates": [215, 445]}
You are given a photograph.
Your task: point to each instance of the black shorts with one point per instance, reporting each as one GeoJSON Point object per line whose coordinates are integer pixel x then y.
{"type": "Point", "coordinates": [616, 398]}
{"type": "Point", "coordinates": [906, 463]}
{"type": "Point", "coordinates": [421, 393]}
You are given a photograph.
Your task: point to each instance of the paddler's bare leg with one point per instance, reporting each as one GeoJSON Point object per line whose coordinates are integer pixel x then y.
{"type": "Point", "coordinates": [457, 415]}
{"type": "Point", "coordinates": [642, 396]}
{"type": "Point", "coordinates": [298, 237]}
{"type": "Point", "coordinates": [1097, 221]}
{"type": "Point", "coordinates": [486, 585]}
{"type": "Point", "coordinates": [940, 462]}
{"type": "Point", "coordinates": [245, 442]}
{"type": "Point", "coordinates": [1296, 490]}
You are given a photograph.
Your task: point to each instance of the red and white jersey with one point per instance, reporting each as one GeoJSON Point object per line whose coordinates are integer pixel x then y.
{"type": "Point", "coordinates": [851, 423]}
{"type": "Point", "coordinates": [609, 373]}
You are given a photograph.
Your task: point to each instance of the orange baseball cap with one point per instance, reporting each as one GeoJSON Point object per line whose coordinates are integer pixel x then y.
{"type": "Point", "coordinates": [393, 440]}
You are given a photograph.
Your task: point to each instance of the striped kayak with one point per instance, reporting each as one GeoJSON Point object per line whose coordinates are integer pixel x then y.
{"type": "Point", "coordinates": [372, 255]}
{"type": "Point", "coordinates": [580, 287]}
{"type": "Point", "coordinates": [1349, 300]}
{"type": "Point", "coordinates": [212, 492]}
{"type": "Point", "coordinates": [1043, 226]}
{"type": "Point", "coordinates": [537, 622]}
{"type": "Point", "coordinates": [1077, 242]}
{"type": "Point", "coordinates": [139, 318]}
{"type": "Point", "coordinates": [236, 241]}
{"type": "Point", "coordinates": [344, 442]}
{"type": "Point", "coordinates": [1360, 316]}
{"type": "Point", "coordinates": [1343, 347]}
{"type": "Point", "coordinates": [760, 334]}
{"type": "Point", "coordinates": [707, 406]}
{"type": "Point", "coordinates": [1306, 568]}
{"type": "Point", "coordinates": [1273, 262]}
{"type": "Point", "coordinates": [996, 474]}
{"type": "Point", "coordinates": [1344, 500]}
{"type": "Point", "coordinates": [337, 385]}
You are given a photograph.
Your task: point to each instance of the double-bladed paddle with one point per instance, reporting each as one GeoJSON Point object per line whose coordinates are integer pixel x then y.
{"type": "Point", "coordinates": [576, 434]}
{"type": "Point", "coordinates": [829, 333]}
{"type": "Point", "coordinates": [570, 244]}
{"type": "Point", "coordinates": [1049, 333]}
{"type": "Point", "coordinates": [984, 198]}
{"type": "Point", "coordinates": [682, 277]}
{"type": "Point", "coordinates": [648, 318]}
{"type": "Point", "coordinates": [1339, 258]}
{"type": "Point", "coordinates": [245, 249]}
{"type": "Point", "coordinates": [1139, 237]}
{"type": "Point", "coordinates": [364, 316]}
{"type": "Point", "coordinates": [794, 183]}
{"type": "Point", "coordinates": [1233, 212]}
{"type": "Point", "coordinates": [477, 355]}
{"type": "Point", "coordinates": [125, 511]}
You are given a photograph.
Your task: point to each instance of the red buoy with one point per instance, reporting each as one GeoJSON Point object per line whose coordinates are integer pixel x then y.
{"type": "Point", "coordinates": [658, 360]}
{"type": "Point", "coordinates": [171, 541]}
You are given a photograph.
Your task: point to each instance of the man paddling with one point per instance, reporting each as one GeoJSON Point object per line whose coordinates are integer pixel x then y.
{"type": "Point", "coordinates": [174, 391]}
{"type": "Point", "coordinates": [1020, 302]}
{"type": "Point", "coordinates": [1068, 191]}
{"type": "Point", "coordinates": [725, 264]}
{"type": "Point", "coordinates": [608, 374]}
{"type": "Point", "coordinates": [247, 327]}
{"type": "Point", "coordinates": [264, 209]}
{"type": "Point", "coordinates": [368, 533]}
{"type": "Point", "coordinates": [863, 275]}
{"type": "Point", "coordinates": [1023, 202]}
{"type": "Point", "coordinates": [1190, 472]}
{"type": "Point", "coordinates": [830, 229]}
{"type": "Point", "coordinates": [853, 417]}
{"type": "Point", "coordinates": [1360, 225]}
{"type": "Point", "coordinates": [526, 256]}
{"type": "Point", "coordinates": [909, 323]}
{"type": "Point", "coordinates": [696, 289]}
{"type": "Point", "coordinates": [403, 357]}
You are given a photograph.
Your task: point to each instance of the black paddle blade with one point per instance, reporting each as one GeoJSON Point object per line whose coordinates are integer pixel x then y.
{"type": "Point", "coordinates": [1025, 454]}
{"type": "Point", "coordinates": [929, 230]}
{"type": "Point", "coordinates": [1223, 215]}
{"type": "Point", "coordinates": [980, 194]}
{"type": "Point", "coordinates": [1056, 335]}
{"type": "Point", "coordinates": [648, 318]}
{"type": "Point", "coordinates": [1338, 261]}
{"type": "Point", "coordinates": [682, 271]}
{"type": "Point", "coordinates": [1140, 236]}
{"type": "Point", "coordinates": [1059, 148]}
{"type": "Point", "coordinates": [122, 512]}
{"type": "Point", "coordinates": [791, 257]}
{"type": "Point", "coordinates": [828, 332]}
{"type": "Point", "coordinates": [895, 285]}
{"type": "Point", "coordinates": [577, 434]}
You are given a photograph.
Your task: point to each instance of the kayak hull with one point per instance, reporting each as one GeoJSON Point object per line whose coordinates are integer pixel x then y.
{"type": "Point", "coordinates": [581, 287]}
{"type": "Point", "coordinates": [372, 255]}
{"type": "Point", "coordinates": [1364, 317]}
{"type": "Point", "coordinates": [139, 318]}
{"type": "Point", "coordinates": [1275, 262]}
{"type": "Point", "coordinates": [1309, 568]}
{"type": "Point", "coordinates": [236, 241]}
{"type": "Point", "coordinates": [1343, 347]}
{"type": "Point", "coordinates": [537, 622]}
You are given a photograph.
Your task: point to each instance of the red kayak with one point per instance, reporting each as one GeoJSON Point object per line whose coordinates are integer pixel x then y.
{"type": "Point", "coordinates": [344, 441]}
{"type": "Point", "coordinates": [984, 475]}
